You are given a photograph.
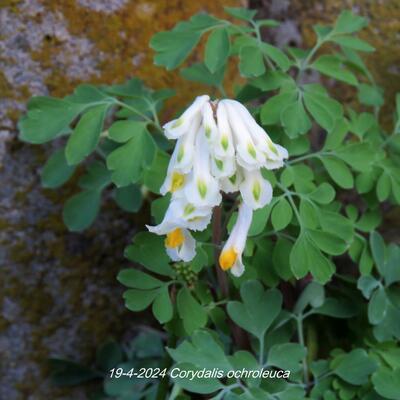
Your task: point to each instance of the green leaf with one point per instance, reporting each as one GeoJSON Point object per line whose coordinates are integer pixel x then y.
{"type": "Point", "coordinates": [138, 300]}
{"type": "Point", "coordinates": [287, 356]}
{"type": "Point", "coordinates": [162, 306]}
{"type": "Point", "coordinates": [173, 47]}
{"type": "Point", "coordinates": [313, 295]}
{"type": "Point", "coordinates": [324, 109]}
{"type": "Point", "coordinates": [149, 250]}
{"type": "Point", "coordinates": [47, 117]}
{"type": "Point", "coordinates": [328, 242]}
{"type": "Point", "coordinates": [369, 221]}
{"type": "Point", "coordinates": [271, 110]}
{"type": "Point", "coordinates": [308, 214]}
{"type": "Point", "coordinates": [251, 62]}
{"type": "Point", "coordinates": [335, 308]}
{"type": "Point", "coordinates": [367, 284]}
{"type": "Point", "coordinates": [353, 42]}
{"type": "Point", "coordinates": [124, 130]}
{"type": "Point", "coordinates": [85, 136]}
{"type": "Point", "coordinates": [295, 119]}
{"type": "Point", "coordinates": [383, 187]}
{"type": "Point", "coordinates": [203, 351]}
{"type": "Point", "coordinates": [378, 251]}
{"type": "Point", "coordinates": [338, 171]}
{"type": "Point", "coordinates": [377, 306]}
{"type": "Point", "coordinates": [281, 214]}
{"type": "Point", "coordinates": [190, 311]}
{"type": "Point", "coordinates": [306, 256]}
{"type": "Point", "coordinates": [392, 270]}
{"type": "Point", "coordinates": [97, 176]}
{"type": "Point", "coordinates": [259, 220]}
{"type": "Point", "coordinates": [128, 161]}
{"type": "Point", "coordinates": [324, 194]}
{"type": "Point", "coordinates": [129, 198]}
{"type": "Point", "coordinates": [337, 224]}
{"type": "Point", "coordinates": [280, 258]}
{"type": "Point", "coordinates": [195, 385]}
{"type": "Point", "coordinates": [276, 55]}
{"type": "Point", "coordinates": [198, 72]}
{"type": "Point", "coordinates": [333, 67]}
{"type": "Point", "coordinates": [355, 367]}
{"type": "Point", "coordinates": [81, 209]}
{"type": "Point", "coordinates": [217, 49]}
{"type": "Point", "coordinates": [56, 171]}
{"type": "Point", "coordinates": [370, 95]}
{"type": "Point", "coordinates": [244, 14]}
{"type": "Point", "coordinates": [250, 314]}
{"type": "Point", "coordinates": [154, 175]}
{"type": "Point", "coordinates": [137, 279]}
{"type": "Point", "coordinates": [387, 383]}
{"type": "Point", "coordinates": [298, 257]}
{"type": "Point", "coordinates": [336, 136]}
{"type": "Point", "coordinates": [348, 22]}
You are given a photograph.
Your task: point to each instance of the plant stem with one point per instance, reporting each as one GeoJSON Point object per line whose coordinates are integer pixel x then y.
{"type": "Point", "coordinates": [299, 320]}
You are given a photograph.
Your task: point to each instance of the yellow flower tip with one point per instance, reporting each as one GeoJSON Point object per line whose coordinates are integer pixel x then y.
{"type": "Point", "coordinates": [177, 181]}
{"type": "Point", "coordinates": [174, 238]}
{"type": "Point", "coordinates": [227, 259]}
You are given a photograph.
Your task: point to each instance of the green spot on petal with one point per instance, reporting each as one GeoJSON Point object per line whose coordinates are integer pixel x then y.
{"type": "Point", "coordinates": [177, 123]}
{"type": "Point", "coordinates": [207, 131]}
{"type": "Point", "coordinates": [189, 208]}
{"type": "Point", "coordinates": [251, 150]}
{"type": "Point", "coordinates": [273, 148]}
{"type": "Point", "coordinates": [202, 188]}
{"type": "Point", "coordinates": [256, 190]}
{"type": "Point", "coordinates": [219, 164]}
{"type": "Point", "coordinates": [233, 179]}
{"type": "Point", "coordinates": [225, 142]}
{"type": "Point", "coordinates": [181, 153]}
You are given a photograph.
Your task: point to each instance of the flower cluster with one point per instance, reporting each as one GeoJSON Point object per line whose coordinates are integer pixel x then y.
{"type": "Point", "coordinates": [219, 148]}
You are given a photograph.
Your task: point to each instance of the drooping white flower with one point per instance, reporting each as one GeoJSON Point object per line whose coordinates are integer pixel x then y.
{"type": "Point", "coordinates": [247, 153]}
{"type": "Point", "coordinates": [255, 190]}
{"type": "Point", "coordinates": [219, 147]}
{"type": "Point", "coordinates": [275, 154]}
{"type": "Point", "coordinates": [179, 217]}
{"type": "Point", "coordinates": [202, 188]}
{"type": "Point", "coordinates": [231, 254]}
{"type": "Point", "coordinates": [178, 127]}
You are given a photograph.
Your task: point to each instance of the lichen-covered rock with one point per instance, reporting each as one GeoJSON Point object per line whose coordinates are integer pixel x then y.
{"type": "Point", "coordinates": [59, 295]}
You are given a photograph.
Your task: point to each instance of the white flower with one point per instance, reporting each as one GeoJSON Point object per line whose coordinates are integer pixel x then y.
{"type": "Point", "coordinates": [182, 214]}
{"type": "Point", "coordinates": [178, 127]}
{"type": "Point", "coordinates": [223, 145]}
{"type": "Point", "coordinates": [231, 255]}
{"type": "Point", "coordinates": [247, 153]}
{"type": "Point", "coordinates": [220, 147]}
{"type": "Point", "coordinates": [180, 245]}
{"type": "Point", "coordinates": [275, 154]}
{"type": "Point", "coordinates": [210, 126]}
{"type": "Point", "coordinates": [202, 188]}
{"type": "Point", "coordinates": [255, 190]}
